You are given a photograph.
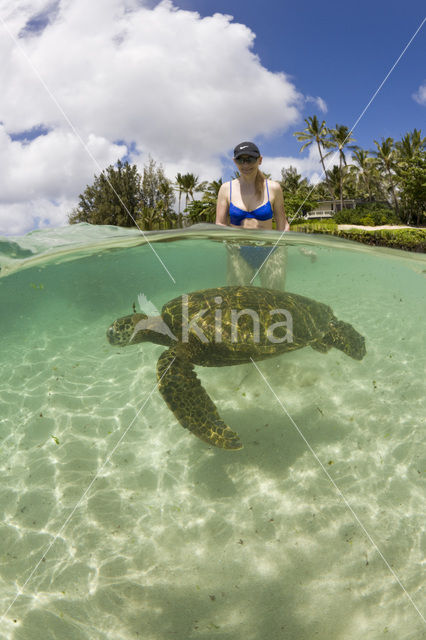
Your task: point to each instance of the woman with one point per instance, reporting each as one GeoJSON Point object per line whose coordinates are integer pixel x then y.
{"type": "Point", "coordinates": [251, 202]}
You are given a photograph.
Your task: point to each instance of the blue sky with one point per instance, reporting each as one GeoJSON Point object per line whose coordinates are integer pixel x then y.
{"type": "Point", "coordinates": [84, 84]}
{"type": "Point", "coordinates": [340, 51]}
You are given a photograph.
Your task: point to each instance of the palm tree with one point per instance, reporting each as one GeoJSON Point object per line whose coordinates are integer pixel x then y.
{"type": "Point", "coordinates": [165, 204]}
{"type": "Point", "coordinates": [386, 159]}
{"type": "Point", "coordinates": [339, 137]}
{"type": "Point", "coordinates": [411, 177]}
{"type": "Point", "coordinates": [210, 198]}
{"type": "Point", "coordinates": [360, 169]}
{"type": "Point", "coordinates": [411, 144]}
{"type": "Point", "coordinates": [188, 184]}
{"type": "Point", "coordinates": [316, 132]}
{"type": "Point", "coordinates": [298, 196]}
{"type": "Point", "coordinates": [148, 217]}
{"type": "Point", "coordinates": [212, 188]}
{"type": "Point", "coordinates": [204, 210]}
{"type": "Point", "coordinates": [333, 178]}
{"type": "Point", "coordinates": [292, 181]}
{"type": "Point", "coordinates": [179, 188]}
{"type": "Point", "coordinates": [365, 170]}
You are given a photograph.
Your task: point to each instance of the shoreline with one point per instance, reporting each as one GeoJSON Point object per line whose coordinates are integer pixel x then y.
{"type": "Point", "coordinates": [345, 227]}
{"type": "Point", "coordinates": [391, 236]}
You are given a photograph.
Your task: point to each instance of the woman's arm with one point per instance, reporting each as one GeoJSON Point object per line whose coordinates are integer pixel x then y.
{"type": "Point", "coordinates": [278, 207]}
{"type": "Point", "coordinates": [222, 206]}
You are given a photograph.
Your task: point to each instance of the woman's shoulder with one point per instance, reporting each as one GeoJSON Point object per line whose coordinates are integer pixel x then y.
{"type": "Point", "coordinates": [273, 184]}
{"type": "Point", "coordinates": [224, 190]}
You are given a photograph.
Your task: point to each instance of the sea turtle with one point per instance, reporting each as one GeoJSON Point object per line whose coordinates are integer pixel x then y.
{"type": "Point", "coordinates": [226, 326]}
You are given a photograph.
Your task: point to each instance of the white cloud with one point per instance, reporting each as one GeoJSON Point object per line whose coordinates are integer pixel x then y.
{"type": "Point", "coordinates": [16, 218]}
{"type": "Point", "coordinates": [420, 95]}
{"type": "Point", "coordinates": [321, 104]}
{"type": "Point", "coordinates": [52, 166]}
{"type": "Point", "coordinates": [174, 84]}
{"type": "Point", "coordinates": [308, 166]}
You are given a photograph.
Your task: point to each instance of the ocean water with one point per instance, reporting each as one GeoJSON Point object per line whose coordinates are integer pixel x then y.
{"type": "Point", "coordinates": [118, 524]}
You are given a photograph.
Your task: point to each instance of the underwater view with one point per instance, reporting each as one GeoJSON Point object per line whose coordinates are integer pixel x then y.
{"type": "Point", "coordinates": [119, 524]}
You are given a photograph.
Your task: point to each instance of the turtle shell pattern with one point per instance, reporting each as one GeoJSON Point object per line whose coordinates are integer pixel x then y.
{"type": "Point", "coordinates": [232, 339]}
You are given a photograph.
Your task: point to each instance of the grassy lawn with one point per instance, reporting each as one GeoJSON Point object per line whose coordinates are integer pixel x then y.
{"type": "Point", "coordinates": [408, 239]}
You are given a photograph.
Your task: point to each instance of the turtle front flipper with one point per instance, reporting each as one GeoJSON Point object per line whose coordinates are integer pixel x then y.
{"type": "Point", "coordinates": [190, 403]}
{"type": "Point", "coordinates": [343, 336]}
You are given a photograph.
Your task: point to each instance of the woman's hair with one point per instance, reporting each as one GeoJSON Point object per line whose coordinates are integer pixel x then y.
{"type": "Point", "coordinates": [259, 183]}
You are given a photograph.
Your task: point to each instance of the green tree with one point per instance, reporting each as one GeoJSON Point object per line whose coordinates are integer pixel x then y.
{"type": "Point", "coordinates": [213, 188]}
{"type": "Point", "coordinates": [165, 205]}
{"type": "Point", "coordinates": [411, 176]}
{"type": "Point", "coordinates": [410, 145]}
{"type": "Point", "coordinates": [292, 181]}
{"type": "Point", "coordinates": [113, 198]}
{"type": "Point", "coordinates": [180, 189]}
{"type": "Point", "coordinates": [386, 160]}
{"type": "Point", "coordinates": [188, 184]}
{"type": "Point", "coordinates": [333, 176]}
{"type": "Point", "coordinates": [157, 197]}
{"type": "Point", "coordinates": [149, 218]}
{"type": "Point", "coordinates": [339, 137]}
{"type": "Point", "coordinates": [362, 173]}
{"type": "Point", "coordinates": [315, 132]}
{"type": "Point", "coordinates": [204, 210]}
{"type": "Point", "coordinates": [321, 191]}
{"type": "Point", "coordinates": [297, 193]}
{"type": "Point", "coordinates": [197, 211]}
{"type": "Point", "coordinates": [364, 177]}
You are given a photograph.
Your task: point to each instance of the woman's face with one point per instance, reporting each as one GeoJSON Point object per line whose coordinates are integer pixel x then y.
{"type": "Point", "coordinates": [248, 165]}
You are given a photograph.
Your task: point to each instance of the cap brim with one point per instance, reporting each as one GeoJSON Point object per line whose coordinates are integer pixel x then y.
{"type": "Point", "coordinates": [251, 154]}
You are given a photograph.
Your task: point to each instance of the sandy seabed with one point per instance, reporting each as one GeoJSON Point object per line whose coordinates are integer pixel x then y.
{"type": "Point", "coordinates": [119, 524]}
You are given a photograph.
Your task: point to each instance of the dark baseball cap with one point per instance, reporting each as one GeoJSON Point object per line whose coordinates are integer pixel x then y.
{"type": "Point", "coordinates": [246, 149]}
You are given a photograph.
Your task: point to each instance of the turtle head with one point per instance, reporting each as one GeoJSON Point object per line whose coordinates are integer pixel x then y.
{"type": "Point", "coordinates": [123, 331]}
{"type": "Point", "coordinates": [139, 327]}
{"type": "Point", "coordinates": [343, 336]}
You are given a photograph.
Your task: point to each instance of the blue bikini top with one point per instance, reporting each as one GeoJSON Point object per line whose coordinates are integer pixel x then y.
{"type": "Point", "coordinates": [237, 215]}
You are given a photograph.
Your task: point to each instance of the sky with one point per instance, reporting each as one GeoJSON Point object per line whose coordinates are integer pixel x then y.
{"type": "Point", "coordinates": [84, 84]}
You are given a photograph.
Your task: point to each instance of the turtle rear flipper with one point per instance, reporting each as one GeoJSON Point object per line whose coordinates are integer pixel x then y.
{"type": "Point", "coordinates": [190, 403]}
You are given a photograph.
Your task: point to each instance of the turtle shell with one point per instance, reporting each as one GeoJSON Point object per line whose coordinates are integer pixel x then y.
{"type": "Point", "coordinates": [232, 325]}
